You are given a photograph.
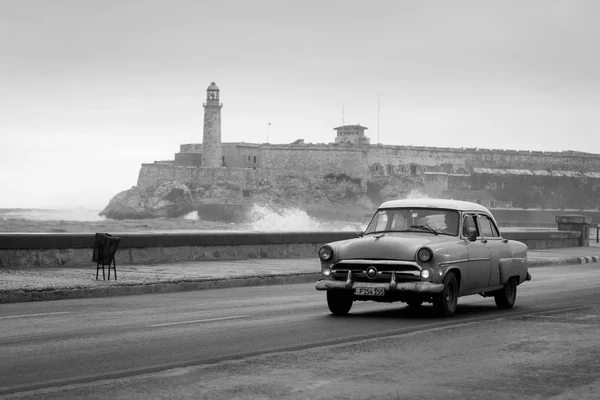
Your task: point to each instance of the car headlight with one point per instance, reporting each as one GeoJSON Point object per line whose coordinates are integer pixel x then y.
{"type": "Point", "coordinates": [325, 253]}
{"type": "Point", "coordinates": [424, 254]}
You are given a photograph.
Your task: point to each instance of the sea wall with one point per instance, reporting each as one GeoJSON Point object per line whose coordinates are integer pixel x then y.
{"type": "Point", "coordinates": [44, 250]}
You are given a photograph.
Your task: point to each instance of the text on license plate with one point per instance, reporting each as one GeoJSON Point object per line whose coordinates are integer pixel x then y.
{"type": "Point", "coordinates": [368, 291]}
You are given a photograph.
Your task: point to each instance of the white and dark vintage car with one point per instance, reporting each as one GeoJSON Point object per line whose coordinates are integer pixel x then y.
{"type": "Point", "coordinates": [426, 250]}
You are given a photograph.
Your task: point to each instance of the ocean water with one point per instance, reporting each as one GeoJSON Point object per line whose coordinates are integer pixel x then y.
{"type": "Point", "coordinates": [39, 214]}
{"type": "Point", "coordinates": [261, 218]}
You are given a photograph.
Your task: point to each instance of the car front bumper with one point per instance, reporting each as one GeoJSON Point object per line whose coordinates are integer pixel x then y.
{"type": "Point", "coordinates": [391, 287]}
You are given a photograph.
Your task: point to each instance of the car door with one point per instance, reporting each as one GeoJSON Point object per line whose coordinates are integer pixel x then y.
{"type": "Point", "coordinates": [499, 247]}
{"type": "Point", "coordinates": [478, 253]}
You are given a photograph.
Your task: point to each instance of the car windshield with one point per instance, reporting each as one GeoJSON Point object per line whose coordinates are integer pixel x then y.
{"type": "Point", "coordinates": [432, 220]}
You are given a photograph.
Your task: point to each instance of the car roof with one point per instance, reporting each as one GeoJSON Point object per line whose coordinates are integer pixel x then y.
{"type": "Point", "coordinates": [458, 205]}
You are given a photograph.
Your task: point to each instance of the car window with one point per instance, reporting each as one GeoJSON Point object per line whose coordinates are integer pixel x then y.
{"type": "Point", "coordinates": [405, 219]}
{"type": "Point", "coordinates": [382, 220]}
{"type": "Point", "coordinates": [488, 228]}
{"type": "Point", "coordinates": [399, 223]}
{"type": "Point", "coordinates": [470, 225]}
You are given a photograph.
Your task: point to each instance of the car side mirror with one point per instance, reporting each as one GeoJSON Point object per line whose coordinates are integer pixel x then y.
{"type": "Point", "coordinates": [472, 236]}
{"type": "Point", "coordinates": [360, 234]}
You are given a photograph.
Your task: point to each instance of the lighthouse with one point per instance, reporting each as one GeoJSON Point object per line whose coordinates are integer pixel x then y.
{"type": "Point", "coordinates": [211, 155]}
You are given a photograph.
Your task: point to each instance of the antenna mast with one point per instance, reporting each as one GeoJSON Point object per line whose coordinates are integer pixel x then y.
{"type": "Point", "coordinates": [342, 115]}
{"type": "Point", "coordinates": [377, 118]}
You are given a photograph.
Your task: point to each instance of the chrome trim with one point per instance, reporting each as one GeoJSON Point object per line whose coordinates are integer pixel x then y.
{"type": "Point", "coordinates": [401, 272]}
{"type": "Point", "coordinates": [393, 283]}
{"type": "Point", "coordinates": [452, 262]}
{"type": "Point", "coordinates": [379, 273]}
{"type": "Point", "coordinates": [462, 261]}
{"type": "Point", "coordinates": [411, 287]}
{"type": "Point", "coordinates": [349, 279]}
{"type": "Point", "coordinates": [379, 262]}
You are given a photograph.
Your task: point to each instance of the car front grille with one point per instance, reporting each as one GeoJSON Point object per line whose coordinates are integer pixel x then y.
{"type": "Point", "coordinates": [404, 272]}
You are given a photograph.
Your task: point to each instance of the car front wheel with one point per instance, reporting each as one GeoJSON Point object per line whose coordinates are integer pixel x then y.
{"type": "Point", "coordinates": [446, 302]}
{"type": "Point", "coordinates": [339, 302]}
{"type": "Point", "coordinates": [505, 297]}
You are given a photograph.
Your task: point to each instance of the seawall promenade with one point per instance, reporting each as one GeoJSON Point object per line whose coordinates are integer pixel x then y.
{"type": "Point", "coordinates": [71, 249]}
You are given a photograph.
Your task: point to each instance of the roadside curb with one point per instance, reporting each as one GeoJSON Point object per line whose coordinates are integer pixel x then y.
{"type": "Point", "coordinates": [24, 295]}
{"type": "Point", "coordinates": [17, 296]}
{"type": "Point", "coordinates": [541, 262]}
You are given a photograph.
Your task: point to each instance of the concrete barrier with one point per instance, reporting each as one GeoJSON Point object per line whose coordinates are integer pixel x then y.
{"type": "Point", "coordinates": [51, 249]}
{"type": "Point", "coordinates": [65, 249]}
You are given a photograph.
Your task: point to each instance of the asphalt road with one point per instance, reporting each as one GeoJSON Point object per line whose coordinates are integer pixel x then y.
{"type": "Point", "coordinates": [59, 343]}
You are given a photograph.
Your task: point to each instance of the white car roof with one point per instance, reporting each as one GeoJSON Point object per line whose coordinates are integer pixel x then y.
{"type": "Point", "coordinates": [435, 203]}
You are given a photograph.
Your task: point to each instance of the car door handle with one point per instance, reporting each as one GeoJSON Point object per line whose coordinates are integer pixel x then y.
{"type": "Point", "coordinates": [504, 240]}
{"type": "Point", "coordinates": [484, 241]}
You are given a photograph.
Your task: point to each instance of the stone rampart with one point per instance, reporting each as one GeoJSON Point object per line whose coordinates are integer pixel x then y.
{"type": "Point", "coordinates": [41, 250]}
{"type": "Point", "coordinates": [314, 160]}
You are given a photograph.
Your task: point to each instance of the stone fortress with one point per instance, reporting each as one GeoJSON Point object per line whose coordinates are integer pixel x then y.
{"type": "Point", "coordinates": [349, 176]}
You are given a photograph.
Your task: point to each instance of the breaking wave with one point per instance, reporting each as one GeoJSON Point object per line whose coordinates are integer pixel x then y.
{"type": "Point", "coordinates": [267, 218]}
{"type": "Point", "coordinates": [416, 194]}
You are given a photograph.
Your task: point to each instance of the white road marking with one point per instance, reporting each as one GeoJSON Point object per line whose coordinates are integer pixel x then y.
{"type": "Point", "coordinates": [200, 320]}
{"type": "Point", "coordinates": [36, 315]}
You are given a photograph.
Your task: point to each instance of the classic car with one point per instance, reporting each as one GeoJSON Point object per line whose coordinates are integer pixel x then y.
{"type": "Point", "coordinates": [424, 251]}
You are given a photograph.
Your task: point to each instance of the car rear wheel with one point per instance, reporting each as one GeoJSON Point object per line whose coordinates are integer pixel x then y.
{"type": "Point", "coordinates": [446, 302]}
{"type": "Point", "coordinates": [339, 302]}
{"type": "Point", "coordinates": [505, 297]}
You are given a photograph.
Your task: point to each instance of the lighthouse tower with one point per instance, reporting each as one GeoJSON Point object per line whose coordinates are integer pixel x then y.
{"type": "Point", "coordinates": [211, 156]}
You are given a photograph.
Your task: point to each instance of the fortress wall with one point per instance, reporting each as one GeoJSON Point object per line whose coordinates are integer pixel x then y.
{"type": "Point", "coordinates": [435, 184]}
{"type": "Point", "coordinates": [313, 160]}
{"type": "Point", "coordinates": [239, 155]}
{"type": "Point", "coordinates": [191, 147]}
{"type": "Point", "coordinates": [389, 160]}
{"type": "Point", "coordinates": [459, 182]}
{"type": "Point", "coordinates": [541, 191]}
{"type": "Point", "coordinates": [533, 160]}
{"type": "Point", "coordinates": [152, 174]}
{"type": "Point", "coordinates": [189, 159]}
{"type": "Point", "coordinates": [399, 159]}
{"type": "Point", "coordinates": [444, 159]}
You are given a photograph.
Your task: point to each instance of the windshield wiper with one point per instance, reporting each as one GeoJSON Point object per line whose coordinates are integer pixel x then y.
{"type": "Point", "coordinates": [374, 232]}
{"type": "Point", "coordinates": [425, 227]}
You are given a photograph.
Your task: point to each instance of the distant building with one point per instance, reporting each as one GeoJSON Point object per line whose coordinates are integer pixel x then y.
{"type": "Point", "coordinates": [351, 134]}
{"type": "Point", "coordinates": [227, 172]}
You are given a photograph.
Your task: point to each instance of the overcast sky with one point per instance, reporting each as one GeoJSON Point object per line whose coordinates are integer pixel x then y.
{"type": "Point", "coordinates": [91, 89]}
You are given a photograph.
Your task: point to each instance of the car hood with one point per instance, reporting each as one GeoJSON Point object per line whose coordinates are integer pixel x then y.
{"type": "Point", "coordinates": [388, 246]}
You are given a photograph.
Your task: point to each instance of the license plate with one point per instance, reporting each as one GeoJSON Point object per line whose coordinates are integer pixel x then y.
{"type": "Point", "coordinates": [368, 291]}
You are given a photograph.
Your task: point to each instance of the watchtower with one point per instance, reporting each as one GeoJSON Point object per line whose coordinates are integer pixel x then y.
{"type": "Point", "coordinates": [211, 155]}
{"type": "Point", "coordinates": [351, 134]}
